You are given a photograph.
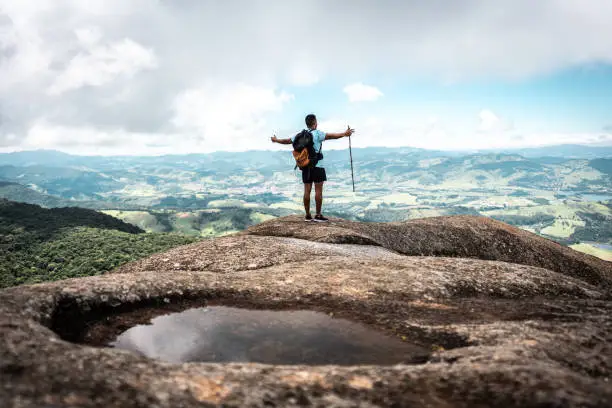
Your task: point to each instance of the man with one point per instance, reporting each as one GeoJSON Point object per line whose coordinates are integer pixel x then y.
{"type": "Point", "coordinates": [316, 174]}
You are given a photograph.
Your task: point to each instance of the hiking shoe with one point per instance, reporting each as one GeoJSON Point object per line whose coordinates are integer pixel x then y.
{"type": "Point", "coordinates": [308, 218]}
{"type": "Point", "coordinates": [320, 218]}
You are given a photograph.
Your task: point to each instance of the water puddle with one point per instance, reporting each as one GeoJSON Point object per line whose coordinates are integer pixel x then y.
{"type": "Point", "coordinates": [225, 334]}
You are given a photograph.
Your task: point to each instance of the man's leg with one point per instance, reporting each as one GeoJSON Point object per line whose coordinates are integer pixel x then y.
{"type": "Point", "coordinates": [319, 196]}
{"type": "Point", "coordinates": [307, 190]}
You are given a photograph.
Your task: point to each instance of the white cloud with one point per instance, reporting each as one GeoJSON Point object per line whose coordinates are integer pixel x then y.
{"type": "Point", "coordinates": [103, 64]}
{"type": "Point", "coordinates": [303, 76]}
{"type": "Point", "coordinates": [431, 132]}
{"type": "Point", "coordinates": [227, 116]}
{"type": "Point", "coordinates": [304, 70]}
{"type": "Point", "coordinates": [230, 117]}
{"type": "Point", "coordinates": [358, 92]}
{"type": "Point", "coordinates": [28, 58]}
{"type": "Point", "coordinates": [372, 131]}
{"type": "Point", "coordinates": [88, 140]}
{"type": "Point", "coordinates": [89, 36]}
{"type": "Point", "coordinates": [490, 122]}
{"type": "Point", "coordinates": [121, 64]}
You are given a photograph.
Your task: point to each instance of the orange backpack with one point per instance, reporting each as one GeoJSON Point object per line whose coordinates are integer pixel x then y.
{"type": "Point", "coordinates": [303, 150]}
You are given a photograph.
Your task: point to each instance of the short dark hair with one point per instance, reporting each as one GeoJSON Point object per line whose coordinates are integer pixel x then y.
{"type": "Point", "coordinates": [310, 120]}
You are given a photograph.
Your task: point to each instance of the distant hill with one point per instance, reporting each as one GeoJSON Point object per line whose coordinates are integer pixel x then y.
{"type": "Point", "coordinates": [45, 222]}
{"type": "Point", "coordinates": [56, 158]}
{"type": "Point", "coordinates": [38, 244]}
{"type": "Point", "coordinates": [565, 151]}
{"type": "Point", "coordinates": [36, 157]}
{"type": "Point", "coordinates": [62, 180]}
{"type": "Point", "coordinates": [602, 165]}
{"type": "Point", "coordinates": [137, 182]}
{"type": "Point", "coordinates": [17, 192]}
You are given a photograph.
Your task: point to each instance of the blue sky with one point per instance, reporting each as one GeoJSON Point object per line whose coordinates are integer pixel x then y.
{"type": "Point", "coordinates": [155, 77]}
{"type": "Point", "coordinates": [574, 99]}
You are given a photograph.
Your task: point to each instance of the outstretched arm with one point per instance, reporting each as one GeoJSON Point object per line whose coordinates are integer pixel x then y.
{"type": "Point", "coordinates": [346, 133]}
{"type": "Point", "coordinates": [281, 141]}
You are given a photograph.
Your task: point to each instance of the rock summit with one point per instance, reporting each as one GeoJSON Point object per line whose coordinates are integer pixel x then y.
{"type": "Point", "coordinates": [509, 318]}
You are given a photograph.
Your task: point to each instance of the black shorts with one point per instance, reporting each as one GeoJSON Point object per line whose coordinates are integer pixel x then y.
{"type": "Point", "coordinates": [314, 175]}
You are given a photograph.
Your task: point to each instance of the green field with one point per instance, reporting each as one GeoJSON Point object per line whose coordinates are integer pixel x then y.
{"type": "Point", "coordinates": [211, 222]}
{"type": "Point", "coordinates": [605, 254]}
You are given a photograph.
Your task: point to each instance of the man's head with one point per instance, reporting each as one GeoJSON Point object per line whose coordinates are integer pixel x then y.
{"type": "Point", "coordinates": [311, 121]}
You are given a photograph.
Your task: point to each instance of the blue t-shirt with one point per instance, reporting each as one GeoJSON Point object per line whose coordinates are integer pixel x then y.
{"type": "Point", "coordinates": [317, 139]}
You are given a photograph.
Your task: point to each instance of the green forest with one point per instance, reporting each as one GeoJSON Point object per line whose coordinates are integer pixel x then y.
{"type": "Point", "coordinates": [38, 244]}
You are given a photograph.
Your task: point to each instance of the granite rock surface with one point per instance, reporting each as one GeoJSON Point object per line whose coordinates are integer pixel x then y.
{"type": "Point", "coordinates": [511, 319]}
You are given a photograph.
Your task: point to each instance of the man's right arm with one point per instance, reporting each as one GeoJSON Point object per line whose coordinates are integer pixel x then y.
{"type": "Point", "coordinates": [281, 141]}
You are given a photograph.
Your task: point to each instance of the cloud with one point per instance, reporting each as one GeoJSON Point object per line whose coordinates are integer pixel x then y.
{"type": "Point", "coordinates": [88, 140]}
{"type": "Point", "coordinates": [115, 66]}
{"type": "Point", "coordinates": [490, 122]}
{"type": "Point", "coordinates": [438, 133]}
{"type": "Point", "coordinates": [102, 64]}
{"type": "Point", "coordinates": [604, 139]}
{"type": "Point", "coordinates": [212, 113]}
{"type": "Point", "coordinates": [303, 76]}
{"type": "Point", "coordinates": [88, 36]}
{"type": "Point", "coordinates": [305, 70]}
{"type": "Point", "coordinates": [359, 92]}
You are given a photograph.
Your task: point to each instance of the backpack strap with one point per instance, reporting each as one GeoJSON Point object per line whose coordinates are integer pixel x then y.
{"type": "Point", "coordinates": [310, 131]}
{"type": "Point", "coordinates": [320, 148]}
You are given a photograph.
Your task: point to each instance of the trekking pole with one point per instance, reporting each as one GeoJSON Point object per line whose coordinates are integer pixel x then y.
{"type": "Point", "coordinates": [351, 154]}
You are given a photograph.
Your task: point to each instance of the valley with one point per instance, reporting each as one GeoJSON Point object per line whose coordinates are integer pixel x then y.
{"type": "Point", "coordinates": [565, 195]}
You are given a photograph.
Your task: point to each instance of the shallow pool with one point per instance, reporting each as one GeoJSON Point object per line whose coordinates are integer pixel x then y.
{"type": "Point", "coordinates": [226, 334]}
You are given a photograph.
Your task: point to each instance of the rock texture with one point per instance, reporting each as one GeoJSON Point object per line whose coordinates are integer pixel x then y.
{"type": "Point", "coordinates": [512, 320]}
{"type": "Point", "coordinates": [457, 236]}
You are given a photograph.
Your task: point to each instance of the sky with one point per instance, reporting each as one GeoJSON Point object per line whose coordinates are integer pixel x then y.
{"type": "Point", "coordinates": [126, 77]}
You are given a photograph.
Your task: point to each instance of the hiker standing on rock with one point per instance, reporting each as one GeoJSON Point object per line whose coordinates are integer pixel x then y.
{"type": "Point", "coordinates": [307, 147]}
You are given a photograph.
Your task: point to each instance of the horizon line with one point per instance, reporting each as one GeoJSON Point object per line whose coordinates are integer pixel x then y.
{"type": "Point", "coordinates": [499, 149]}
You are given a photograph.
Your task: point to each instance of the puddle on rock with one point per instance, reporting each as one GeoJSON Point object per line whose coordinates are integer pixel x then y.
{"type": "Point", "coordinates": [224, 334]}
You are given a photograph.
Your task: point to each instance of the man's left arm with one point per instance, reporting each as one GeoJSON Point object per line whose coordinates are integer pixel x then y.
{"type": "Point", "coordinates": [346, 133]}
